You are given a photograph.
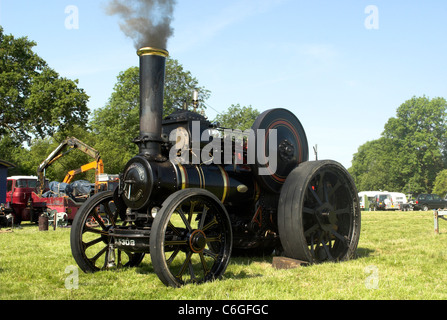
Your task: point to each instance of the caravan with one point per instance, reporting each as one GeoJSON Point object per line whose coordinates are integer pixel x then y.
{"type": "Point", "coordinates": [399, 199]}
{"type": "Point", "coordinates": [366, 197]}
{"type": "Point", "coordinates": [381, 200]}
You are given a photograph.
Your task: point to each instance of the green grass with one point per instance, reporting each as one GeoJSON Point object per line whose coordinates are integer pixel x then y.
{"type": "Point", "coordinates": [399, 257]}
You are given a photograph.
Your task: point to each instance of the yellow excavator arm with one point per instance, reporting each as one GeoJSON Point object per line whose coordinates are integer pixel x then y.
{"type": "Point", "coordinates": [71, 143]}
{"type": "Point", "coordinates": [97, 165]}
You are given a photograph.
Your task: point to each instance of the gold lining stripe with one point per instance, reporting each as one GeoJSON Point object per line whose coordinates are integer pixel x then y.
{"type": "Point", "coordinates": [203, 177]}
{"type": "Point", "coordinates": [200, 176]}
{"type": "Point", "coordinates": [225, 182]}
{"type": "Point", "coordinates": [183, 175]}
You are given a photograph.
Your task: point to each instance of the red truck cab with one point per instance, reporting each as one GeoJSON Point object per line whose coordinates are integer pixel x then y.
{"type": "Point", "coordinates": [19, 190]}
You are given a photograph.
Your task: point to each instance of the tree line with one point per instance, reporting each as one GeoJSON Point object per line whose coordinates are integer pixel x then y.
{"type": "Point", "coordinates": [411, 154]}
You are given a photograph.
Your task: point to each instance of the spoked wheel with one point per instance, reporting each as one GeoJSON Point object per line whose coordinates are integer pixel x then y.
{"type": "Point", "coordinates": [319, 213]}
{"type": "Point", "coordinates": [191, 238]}
{"type": "Point", "coordinates": [91, 245]}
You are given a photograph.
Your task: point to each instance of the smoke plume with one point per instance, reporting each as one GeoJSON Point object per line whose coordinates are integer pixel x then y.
{"type": "Point", "coordinates": [147, 22]}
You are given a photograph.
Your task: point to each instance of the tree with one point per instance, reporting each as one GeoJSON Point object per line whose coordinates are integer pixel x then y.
{"type": "Point", "coordinates": [34, 100]}
{"type": "Point", "coordinates": [372, 166]}
{"type": "Point", "coordinates": [411, 152]}
{"type": "Point", "coordinates": [440, 186]}
{"type": "Point", "coordinates": [420, 132]}
{"type": "Point", "coordinates": [10, 150]}
{"type": "Point", "coordinates": [179, 87]}
{"type": "Point", "coordinates": [117, 124]}
{"type": "Point", "coordinates": [237, 117]}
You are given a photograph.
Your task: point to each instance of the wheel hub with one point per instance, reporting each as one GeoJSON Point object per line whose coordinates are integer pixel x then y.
{"type": "Point", "coordinates": [286, 150]}
{"type": "Point", "coordinates": [197, 241]}
{"type": "Point", "coordinates": [324, 210]}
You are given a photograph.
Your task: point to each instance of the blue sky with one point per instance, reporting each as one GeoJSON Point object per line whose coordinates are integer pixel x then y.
{"type": "Point", "coordinates": [316, 58]}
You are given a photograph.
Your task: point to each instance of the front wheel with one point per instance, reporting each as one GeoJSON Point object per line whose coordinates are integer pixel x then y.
{"type": "Point", "coordinates": [191, 238]}
{"type": "Point", "coordinates": [91, 245]}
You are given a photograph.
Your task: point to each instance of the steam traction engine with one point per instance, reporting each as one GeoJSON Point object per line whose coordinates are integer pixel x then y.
{"type": "Point", "coordinates": [191, 215]}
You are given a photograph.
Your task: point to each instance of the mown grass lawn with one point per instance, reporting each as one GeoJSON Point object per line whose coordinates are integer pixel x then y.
{"type": "Point", "coordinates": [399, 257]}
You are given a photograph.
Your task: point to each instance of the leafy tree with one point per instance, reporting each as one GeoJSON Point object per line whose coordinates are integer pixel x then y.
{"type": "Point", "coordinates": [117, 124]}
{"type": "Point", "coordinates": [10, 150]}
{"type": "Point", "coordinates": [372, 164]}
{"type": "Point", "coordinates": [440, 186]}
{"type": "Point", "coordinates": [179, 87]}
{"type": "Point", "coordinates": [34, 100]}
{"type": "Point", "coordinates": [411, 152]}
{"type": "Point", "coordinates": [237, 117]}
{"type": "Point", "coordinates": [421, 134]}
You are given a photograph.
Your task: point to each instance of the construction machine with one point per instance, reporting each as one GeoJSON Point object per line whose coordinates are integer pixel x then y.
{"type": "Point", "coordinates": [71, 143]}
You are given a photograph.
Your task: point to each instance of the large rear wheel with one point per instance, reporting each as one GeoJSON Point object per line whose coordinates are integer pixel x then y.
{"type": "Point", "coordinates": [319, 213]}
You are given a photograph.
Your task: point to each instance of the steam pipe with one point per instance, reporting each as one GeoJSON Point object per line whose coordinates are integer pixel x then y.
{"type": "Point", "coordinates": [152, 79]}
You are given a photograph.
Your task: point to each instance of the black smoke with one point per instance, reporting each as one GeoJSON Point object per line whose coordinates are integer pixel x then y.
{"type": "Point", "coordinates": [147, 22]}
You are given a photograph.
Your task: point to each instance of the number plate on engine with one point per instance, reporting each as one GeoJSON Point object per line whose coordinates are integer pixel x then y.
{"type": "Point", "coordinates": [126, 242]}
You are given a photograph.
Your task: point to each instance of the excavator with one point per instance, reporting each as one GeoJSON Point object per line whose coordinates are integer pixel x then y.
{"type": "Point", "coordinates": [64, 205]}
{"type": "Point", "coordinates": [72, 143]}
{"type": "Point", "coordinates": [26, 198]}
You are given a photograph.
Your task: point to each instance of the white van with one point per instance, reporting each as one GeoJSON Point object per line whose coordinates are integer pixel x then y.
{"type": "Point", "coordinates": [398, 199]}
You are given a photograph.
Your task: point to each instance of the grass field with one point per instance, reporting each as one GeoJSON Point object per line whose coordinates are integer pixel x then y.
{"type": "Point", "coordinates": [399, 257]}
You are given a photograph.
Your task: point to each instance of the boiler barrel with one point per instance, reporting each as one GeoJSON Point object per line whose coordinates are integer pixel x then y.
{"type": "Point", "coordinates": [148, 182]}
{"type": "Point", "coordinates": [228, 183]}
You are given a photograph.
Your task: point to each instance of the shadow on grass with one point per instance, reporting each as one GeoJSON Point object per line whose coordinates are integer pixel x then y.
{"type": "Point", "coordinates": [363, 253]}
{"type": "Point", "coordinates": [146, 267]}
{"type": "Point", "coordinates": [234, 270]}
{"type": "Point", "coordinates": [25, 225]}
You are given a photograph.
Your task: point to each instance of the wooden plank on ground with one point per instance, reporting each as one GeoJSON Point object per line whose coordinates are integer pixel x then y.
{"type": "Point", "coordinates": [287, 263]}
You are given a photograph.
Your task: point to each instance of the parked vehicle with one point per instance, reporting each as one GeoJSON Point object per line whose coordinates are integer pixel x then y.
{"type": "Point", "coordinates": [19, 191]}
{"type": "Point", "coordinates": [399, 200]}
{"type": "Point", "coordinates": [365, 198]}
{"type": "Point", "coordinates": [25, 204]}
{"type": "Point", "coordinates": [382, 201]}
{"type": "Point", "coordinates": [429, 201]}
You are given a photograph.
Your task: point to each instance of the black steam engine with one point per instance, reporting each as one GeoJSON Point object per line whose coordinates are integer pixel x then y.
{"type": "Point", "coordinates": [194, 196]}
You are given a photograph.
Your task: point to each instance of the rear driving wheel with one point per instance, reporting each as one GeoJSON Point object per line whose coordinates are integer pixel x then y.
{"type": "Point", "coordinates": [319, 213]}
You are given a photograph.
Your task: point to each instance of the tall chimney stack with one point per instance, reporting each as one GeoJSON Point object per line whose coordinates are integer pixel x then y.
{"type": "Point", "coordinates": [152, 79]}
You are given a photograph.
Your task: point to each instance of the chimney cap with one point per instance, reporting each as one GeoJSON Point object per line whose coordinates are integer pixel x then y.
{"type": "Point", "coordinates": [151, 51]}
